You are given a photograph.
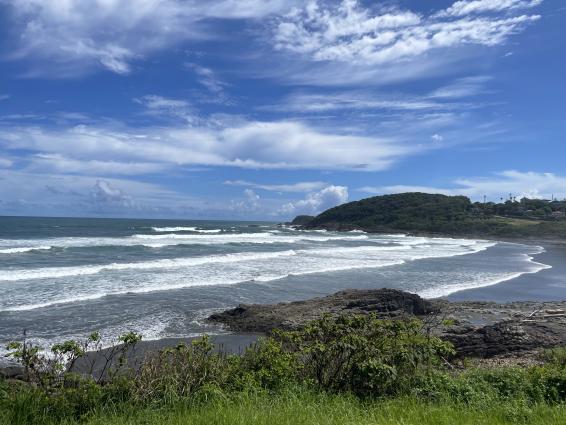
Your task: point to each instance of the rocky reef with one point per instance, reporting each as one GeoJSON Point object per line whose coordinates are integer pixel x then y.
{"type": "Point", "coordinates": [476, 329]}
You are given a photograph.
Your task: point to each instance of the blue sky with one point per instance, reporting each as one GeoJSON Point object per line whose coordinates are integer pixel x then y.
{"type": "Point", "coordinates": [251, 109]}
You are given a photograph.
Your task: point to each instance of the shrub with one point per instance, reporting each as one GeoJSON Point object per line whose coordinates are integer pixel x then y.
{"type": "Point", "coordinates": [182, 372]}
{"type": "Point", "coordinates": [555, 356]}
{"type": "Point", "coordinates": [364, 354]}
{"type": "Point", "coordinates": [268, 364]}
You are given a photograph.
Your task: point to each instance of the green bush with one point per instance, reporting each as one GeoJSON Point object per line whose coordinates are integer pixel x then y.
{"type": "Point", "coordinates": [364, 354]}
{"type": "Point", "coordinates": [182, 372]}
{"type": "Point", "coordinates": [347, 358]}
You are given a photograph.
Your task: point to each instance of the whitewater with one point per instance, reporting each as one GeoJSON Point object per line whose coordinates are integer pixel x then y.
{"type": "Point", "coordinates": [63, 278]}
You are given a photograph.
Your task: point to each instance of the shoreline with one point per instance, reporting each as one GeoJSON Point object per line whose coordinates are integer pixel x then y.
{"type": "Point", "coordinates": [531, 288]}
{"type": "Point", "coordinates": [547, 284]}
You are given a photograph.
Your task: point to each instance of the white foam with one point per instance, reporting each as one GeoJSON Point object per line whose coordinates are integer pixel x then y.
{"type": "Point", "coordinates": [57, 272]}
{"type": "Point", "coordinates": [178, 273]}
{"type": "Point", "coordinates": [19, 250]}
{"type": "Point", "coordinates": [482, 281]}
{"type": "Point", "coordinates": [174, 229]}
{"type": "Point", "coordinates": [211, 237]}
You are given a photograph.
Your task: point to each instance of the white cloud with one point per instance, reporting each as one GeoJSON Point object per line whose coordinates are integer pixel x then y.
{"type": "Point", "coordinates": [276, 145]}
{"type": "Point", "coordinates": [316, 202]}
{"type": "Point", "coordinates": [463, 87]}
{"type": "Point", "coordinates": [104, 194]}
{"type": "Point", "coordinates": [437, 138]}
{"type": "Point", "coordinates": [159, 105]}
{"type": "Point", "coordinates": [519, 184]}
{"type": "Point", "coordinates": [318, 102]}
{"type": "Point", "coordinates": [208, 78]}
{"type": "Point", "coordinates": [4, 97]}
{"type": "Point", "coordinates": [295, 187]}
{"type": "Point", "coordinates": [351, 33]}
{"type": "Point", "coordinates": [6, 163]}
{"type": "Point", "coordinates": [57, 163]}
{"type": "Point", "coordinates": [250, 203]}
{"type": "Point", "coordinates": [466, 7]}
{"type": "Point", "coordinates": [75, 36]}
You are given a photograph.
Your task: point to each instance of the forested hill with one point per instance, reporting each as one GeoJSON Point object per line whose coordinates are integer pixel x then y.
{"type": "Point", "coordinates": [447, 215]}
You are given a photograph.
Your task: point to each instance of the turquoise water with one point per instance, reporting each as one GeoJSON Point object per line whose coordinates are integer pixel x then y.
{"type": "Point", "coordinates": [62, 278]}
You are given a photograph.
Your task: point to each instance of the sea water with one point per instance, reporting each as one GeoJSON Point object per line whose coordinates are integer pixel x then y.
{"type": "Point", "coordinates": [63, 278]}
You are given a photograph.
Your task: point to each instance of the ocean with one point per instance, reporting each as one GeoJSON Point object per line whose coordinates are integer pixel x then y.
{"type": "Point", "coordinates": [63, 278]}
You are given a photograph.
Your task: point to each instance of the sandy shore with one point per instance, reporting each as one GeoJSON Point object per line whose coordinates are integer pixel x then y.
{"type": "Point", "coordinates": [546, 285]}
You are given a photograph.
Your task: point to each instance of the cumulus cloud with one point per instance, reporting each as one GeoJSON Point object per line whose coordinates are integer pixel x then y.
{"type": "Point", "coordinates": [33, 193]}
{"type": "Point", "coordinates": [316, 202]}
{"type": "Point", "coordinates": [519, 184]}
{"type": "Point", "coordinates": [351, 33]}
{"type": "Point", "coordinates": [249, 203]}
{"type": "Point", "coordinates": [276, 145]}
{"type": "Point", "coordinates": [76, 36]}
{"type": "Point", "coordinates": [104, 194]}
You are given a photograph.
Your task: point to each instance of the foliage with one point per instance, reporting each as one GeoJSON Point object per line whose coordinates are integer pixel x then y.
{"type": "Point", "coordinates": [364, 354]}
{"type": "Point", "coordinates": [350, 369]}
{"type": "Point", "coordinates": [452, 215]}
{"type": "Point", "coordinates": [181, 372]}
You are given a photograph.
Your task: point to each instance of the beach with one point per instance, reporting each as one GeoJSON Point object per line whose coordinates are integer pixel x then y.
{"type": "Point", "coordinates": [548, 284]}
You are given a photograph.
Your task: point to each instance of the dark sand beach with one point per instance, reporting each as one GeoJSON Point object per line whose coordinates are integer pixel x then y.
{"type": "Point", "coordinates": [546, 285]}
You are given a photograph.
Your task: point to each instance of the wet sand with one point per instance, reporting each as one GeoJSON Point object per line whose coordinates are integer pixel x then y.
{"type": "Point", "coordinates": [546, 285]}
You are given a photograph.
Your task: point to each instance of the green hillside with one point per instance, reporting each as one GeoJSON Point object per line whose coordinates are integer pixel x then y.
{"type": "Point", "coordinates": [447, 215]}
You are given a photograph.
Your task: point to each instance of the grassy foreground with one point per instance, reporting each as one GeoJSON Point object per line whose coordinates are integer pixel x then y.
{"type": "Point", "coordinates": [309, 408]}
{"type": "Point", "coordinates": [348, 370]}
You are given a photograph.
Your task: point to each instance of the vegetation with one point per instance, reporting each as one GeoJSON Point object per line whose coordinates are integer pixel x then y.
{"type": "Point", "coordinates": [352, 369]}
{"type": "Point", "coordinates": [302, 220]}
{"type": "Point", "coordinates": [450, 215]}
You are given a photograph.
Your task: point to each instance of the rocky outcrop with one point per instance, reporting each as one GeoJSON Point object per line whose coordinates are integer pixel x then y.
{"type": "Point", "coordinates": [287, 316]}
{"type": "Point", "coordinates": [476, 329]}
{"type": "Point", "coordinates": [505, 337]}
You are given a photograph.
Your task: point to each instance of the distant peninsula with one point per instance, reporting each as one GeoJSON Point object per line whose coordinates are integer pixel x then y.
{"type": "Point", "coordinates": [442, 215]}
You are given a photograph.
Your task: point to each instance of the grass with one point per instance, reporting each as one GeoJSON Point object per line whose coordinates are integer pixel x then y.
{"type": "Point", "coordinates": [318, 408]}
{"type": "Point", "coordinates": [349, 370]}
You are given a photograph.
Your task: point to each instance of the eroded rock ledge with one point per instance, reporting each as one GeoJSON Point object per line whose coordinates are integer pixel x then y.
{"type": "Point", "coordinates": [477, 329]}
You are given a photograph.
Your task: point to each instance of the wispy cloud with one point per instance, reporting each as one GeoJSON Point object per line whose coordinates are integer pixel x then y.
{"type": "Point", "coordinates": [463, 87]}
{"type": "Point", "coordinates": [468, 7]}
{"type": "Point", "coordinates": [377, 45]}
{"type": "Point", "coordinates": [163, 106]}
{"type": "Point", "coordinates": [349, 32]}
{"type": "Point", "coordinates": [244, 144]}
{"type": "Point", "coordinates": [294, 187]}
{"type": "Point", "coordinates": [4, 97]}
{"type": "Point", "coordinates": [56, 163]}
{"type": "Point", "coordinates": [323, 102]}
{"type": "Point", "coordinates": [78, 36]}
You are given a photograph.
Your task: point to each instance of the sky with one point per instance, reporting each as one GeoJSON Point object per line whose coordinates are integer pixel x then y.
{"type": "Point", "coordinates": [266, 109]}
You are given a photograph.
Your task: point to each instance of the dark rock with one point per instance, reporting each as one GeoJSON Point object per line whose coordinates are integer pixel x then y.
{"type": "Point", "coordinates": [286, 316]}
{"type": "Point", "coordinates": [504, 337]}
{"type": "Point", "coordinates": [12, 372]}
{"type": "Point", "coordinates": [476, 329]}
